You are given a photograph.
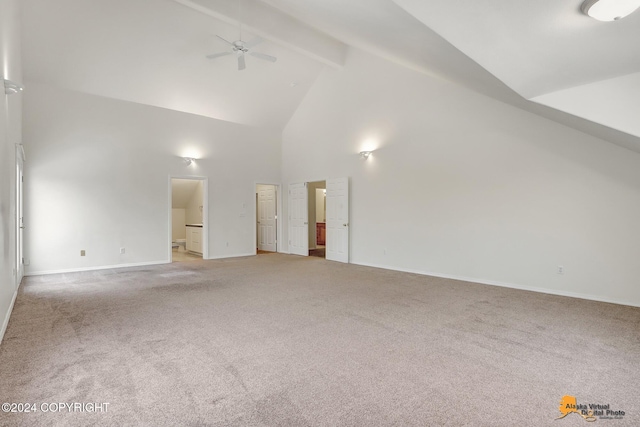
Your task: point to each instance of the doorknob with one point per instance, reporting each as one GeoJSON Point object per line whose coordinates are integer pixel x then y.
{"type": "Point", "coordinates": [344, 225]}
{"type": "Point", "coordinates": [22, 227]}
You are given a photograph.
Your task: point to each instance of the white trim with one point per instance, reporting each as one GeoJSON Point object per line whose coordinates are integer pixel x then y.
{"type": "Point", "coordinates": [99, 267]}
{"type": "Point", "coordinates": [19, 212]}
{"type": "Point", "coordinates": [232, 256]}
{"type": "Point", "coordinates": [20, 152]}
{"type": "Point", "coordinates": [504, 285]}
{"type": "Point", "coordinates": [8, 316]}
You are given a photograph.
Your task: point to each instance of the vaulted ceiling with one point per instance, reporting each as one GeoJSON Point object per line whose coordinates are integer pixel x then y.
{"type": "Point", "coordinates": [548, 51]}
{"type": "Point", "coordinates": [544, 56]}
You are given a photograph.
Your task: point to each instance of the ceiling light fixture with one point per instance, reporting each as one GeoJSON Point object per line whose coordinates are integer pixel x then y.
{"type": "Point", "coordinates": [189, 160]}
{"type": "Point", "coordinates": [365, 154]}
{"type": "Point", "coordinates": [609, 10]}
{"type": "Point", "coordinates": [12, 87]}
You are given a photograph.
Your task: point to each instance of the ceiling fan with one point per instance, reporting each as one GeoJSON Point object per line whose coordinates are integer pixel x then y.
{"type": "Point", "coordinates": [240, 47]}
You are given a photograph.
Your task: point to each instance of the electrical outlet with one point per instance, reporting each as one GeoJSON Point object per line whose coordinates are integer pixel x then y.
{"type": "Point", "coordinates": [384, 251]}
{"type": "Point", "coordinates": [560, 269]}
{"type": "Point", "coordinates": [227, 244]}
{"type": "Point", "coordinates": [121, 251]}
{"type": "Point", "coordinates": [82, 252]}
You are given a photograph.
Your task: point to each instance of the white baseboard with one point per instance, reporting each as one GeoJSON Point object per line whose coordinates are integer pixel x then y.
{"type": "Point", "coordinates": [414, 271]}
{"type": "Point", "coordinates": [232, 256]}
{"type": "Point", "coordinates": [8, 315]}
{"type": "Point", "coordinates": [100, 267]}
{"type": "Point", "coordinates": [505, 285]}
{"type": "Point", "coordinates": [138, 264]}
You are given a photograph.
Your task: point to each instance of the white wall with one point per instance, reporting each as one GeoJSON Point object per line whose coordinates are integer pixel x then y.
{"type": "Point", "coordinates": [320, 205]}
{"type": "Point", "coordinates": [10, 134]}
{"type": "Point", "coordinates": [461, 185]}
{"type": "Point", "coordinates": [86, 151]}
{"type": "Point", "coordinates": [193, 210]}
{"type": "Point", "coordinates": [178, 224]}
{"type": "Point", "coordinates": [612, 102]}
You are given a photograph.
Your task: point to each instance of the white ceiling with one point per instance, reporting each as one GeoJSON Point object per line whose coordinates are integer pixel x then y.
{"type": "Point", "coordinates": [153, 52]}
{"type": "Point", "coordinates": [548, 51]}
{"type": "Point", "coordinates": [535, 47]}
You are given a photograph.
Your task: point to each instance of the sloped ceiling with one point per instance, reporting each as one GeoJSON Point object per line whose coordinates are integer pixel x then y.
{"type": "Point", "coordinates": [535, 47]}
{"type": "Point", "coordinates": [182, 190]}
{"type": "Point", "coordinates": [153, 52]}
{"type": "Point", "coordinates": [540, 56]}
{"type": "Point", "coordinates": [548, 51]}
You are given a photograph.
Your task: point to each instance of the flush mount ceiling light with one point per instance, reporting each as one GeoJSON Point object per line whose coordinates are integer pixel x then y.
{"type": "Point", "coordinates": [189, 160]}
{"type": "Point", "coordinates": [365, 154]}
{"type": "Point", "coordinates": [609, 10]}
{"type": "Point", "coordinates": [12, 87]}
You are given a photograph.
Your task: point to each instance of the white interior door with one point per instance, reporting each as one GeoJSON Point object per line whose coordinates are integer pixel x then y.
{"type": "Point", "coordinates": [337, 223]}
{"type": "Point", "coordinates": [267, 218]}
{"type": "Point", "coordinates": [298, 220]}
{"type": "Point", "coordinates": [19, 222]}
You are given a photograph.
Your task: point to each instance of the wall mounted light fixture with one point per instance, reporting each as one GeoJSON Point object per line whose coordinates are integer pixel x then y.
{"type": "Point", "coordinates": [365, 154]}
{"type": "Point", "coordinates": [189, 160]}
{"type": "Point", "coordinates": [609, 10]}
{"type": "Point", "coordinates": [12, 87]}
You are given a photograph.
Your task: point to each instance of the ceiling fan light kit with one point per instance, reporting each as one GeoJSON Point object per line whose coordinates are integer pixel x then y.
{"type": "Point", "coordinates": [11, 88]}
{"type": "Point", "coordinates": [240, 47]}
{"type": "Point", "coordinates": [609, 10]}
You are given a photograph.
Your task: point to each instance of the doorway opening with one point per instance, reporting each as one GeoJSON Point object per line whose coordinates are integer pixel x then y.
{"type": "Point", "coordinates": [317, 207]}
{"type": "Point", "coordinates": [305, 229]}
{"type": "Point", "coordinates": [266, 218]}
{"type": "Point", "coordinates": [188, 219]}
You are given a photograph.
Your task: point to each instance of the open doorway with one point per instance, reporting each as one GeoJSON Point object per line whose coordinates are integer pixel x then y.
{"type": "Point", "coordinates": [317, 206]}
{"type": "Point", "coordinates": [188, 219]}
{"type": "Point", "coordinates": [302, 235]}
{"type": "Point", "coordinates": [266, 218]}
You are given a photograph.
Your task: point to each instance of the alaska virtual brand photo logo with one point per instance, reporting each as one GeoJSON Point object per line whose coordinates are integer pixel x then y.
{"type": "Point", "coordinates": [590, 412]}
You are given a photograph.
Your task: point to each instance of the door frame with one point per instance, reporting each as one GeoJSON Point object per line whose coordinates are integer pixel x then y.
{"type": "Point", "coordinates": [312, 230]}
{"type": "Point", "coordinates": [205, 214]}
{"type": "Point", "coordinates": [278, 215]}
{"type": "Point", "coordinates": [19, 264]}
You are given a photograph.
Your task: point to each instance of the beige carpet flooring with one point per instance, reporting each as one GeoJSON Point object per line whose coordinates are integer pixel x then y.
{"type": "Point", "coordinates": [279, 340]}
{"type": "Point", "coordinates": [180, 255]}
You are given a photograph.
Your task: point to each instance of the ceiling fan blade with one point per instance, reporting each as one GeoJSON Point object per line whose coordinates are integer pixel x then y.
{"type": "Point", "coordinates": [217, 55]}
{"type": "Point", "coordinates": [256, 41]}
{"type": "Point", "coordinates": [225, 40]}
{"type": "Point", "coordinates": [263, 56]}
{"type": "Point", "coordinates": [241, 62]}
